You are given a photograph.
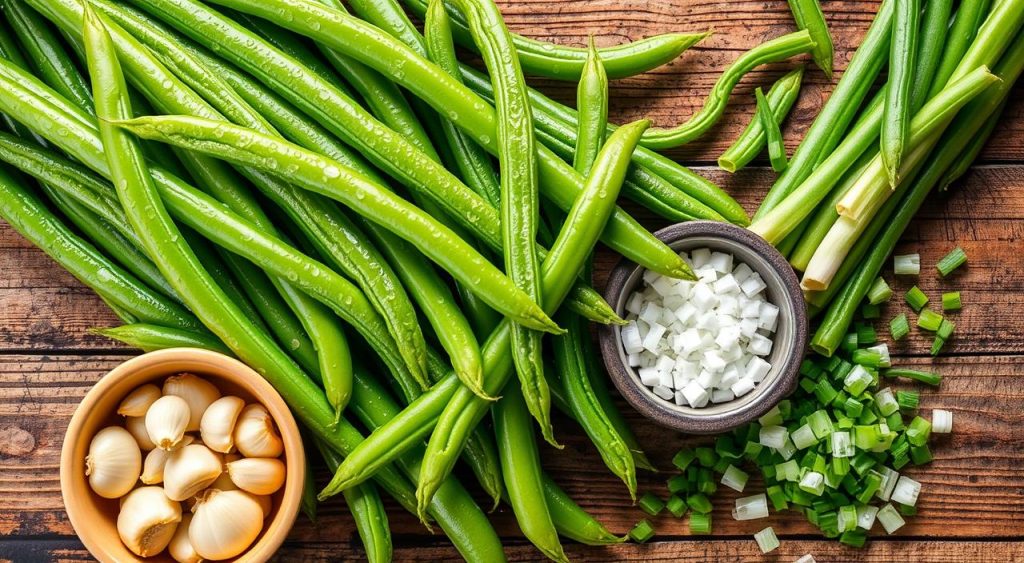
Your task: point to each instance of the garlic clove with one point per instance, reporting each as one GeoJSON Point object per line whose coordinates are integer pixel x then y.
{"type": "Point", "coordinates": [166, 421]}
{"type": "Point", "coordinates": [218, 423]}
{"type": "Point", "coordinates": [147, 521]}
{"type": "Point", "coordinates": [153, 465]}
{"type": "Point", "coordinates": [266, 503]}
{"type": "Point", "coordinates": [255, 435]}
{"type": "Point", "coordinates": [196, 391]}
{"type": "Point", "coordinates": [138, 401]}
{"type": "Point", "coordinates": [225, 523]}
{"type": "Point", "coordinates": [136, 425]}
{"type": "Point", "coordinates": [223, 483]}
{"type": "Point", "coordinates": [257, 475]}
{"type": "Point", "coordinates": [113, 463]}
{"type": "Point", "coordinates": [180, 547]}
{"type": "Point", "coordinates": [189, 470]}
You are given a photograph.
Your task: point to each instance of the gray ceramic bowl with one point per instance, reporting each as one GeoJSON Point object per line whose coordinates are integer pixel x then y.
{"type": "Point", "coordinates": [790, 339]}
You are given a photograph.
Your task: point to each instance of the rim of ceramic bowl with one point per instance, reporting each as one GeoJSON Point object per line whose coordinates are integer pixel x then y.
{"type": "Point", "coordinates": [789, 341]}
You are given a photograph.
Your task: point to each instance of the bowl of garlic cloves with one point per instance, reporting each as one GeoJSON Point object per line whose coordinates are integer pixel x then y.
{"type": "Point", "coordinates": [182, 455]}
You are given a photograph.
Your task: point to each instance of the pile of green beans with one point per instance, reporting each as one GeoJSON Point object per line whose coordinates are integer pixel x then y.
{"type": "Point", "coordinates": [386, 234]}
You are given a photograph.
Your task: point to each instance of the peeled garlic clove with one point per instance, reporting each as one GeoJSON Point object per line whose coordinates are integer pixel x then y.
{"type": "Point", "coordinates": [257, 475]}
{"type": "Point", "coordinates": [166, 421]}
{"type": "Point", "coordinates": [180, 547]}
{"type": "Point", "coordinates": [224, 524]}
{"type": "Point", "coordinates": [136, 425]}
{"type": "Point", "coordinates": [196, 391]}
{"type": "Point", "coordinates": [113, 462]}
{"type": "Point", "coordinates": [265, 503]}
{"type": "Point", "coordinates": [153, 465]}
{"type": "Point", "coordinates": [218, 423]}
{"type": "Point", "coordinates": [223, 483]}
{"type": "Point", "coordinates": [147, 521]}
{"type": "Point", "coordinates": [255, 435]}
{"type": "Point", "coordinates": [189, 470]}
{"type": "Point", "coordinates": [138, 401]}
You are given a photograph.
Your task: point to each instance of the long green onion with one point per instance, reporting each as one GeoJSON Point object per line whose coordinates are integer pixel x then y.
{"type": "Point", "coordinates": [896, 116]}
{"type": "Point", "coordinates": [915, 375]}
{"type": "Point", "coordinates": [781, 97]}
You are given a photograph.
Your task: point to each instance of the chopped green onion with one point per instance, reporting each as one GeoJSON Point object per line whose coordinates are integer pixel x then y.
{"type": "Point", "coordinates": [907, 264]}
{"type": "Point", "coordinates": [642, 532]}
{"type": "Point", "coordinates": [820, 423]}
{"type": "Point", "coordinates": [773, 436]}
{"type": "Point", "coordinates": [771, 418]}
{"type": "Point", "coordinates": [699, 503]}
{"type": "Point", "coordinates": [937, 345]}
{"type": "Point", "coordinates": [684, 458]}
{"type": "Point", "coordinates": [806, 558]}
{"type": "Point", "coordinates": [880, 292]}
{"type": "Point", "coordinates": [778, 497]}
{"type": "Point", "coordinates": [951, 301]}
{"type": "Point", "coordinates": [850, 343]}
{"type": "Point", "coordinates": [908, 400]}
{"type": "Point", "coordinates": [918, 431]}
{"type": "Point", "coordinates": [803, 437]}
{"type": "Point", "coordinates": [916, 375]}
{"type": "Point", "coordinates": [945, 329]}
{"type": "Point", "coordinates": [700, 523]}
{"type": "Point", "coordinates": [651, 504]}
{"type": "Point", "coordinates": [916, 298]}
{"type": "Point", "coordinates": [907, 510]}
{"type": "Point", "coordinates": [866, 335]}
{"type": "Point", "coordinates": [787, 471]}
{"type": "Point", "coordinates": [869, 311]}
{"type": "Point", "coordinates": [842, 447]}
{"type": "Point", "coordinates": [872, 484]}
{"type": "Point", "coordinates": [920, 455]}
{"type": "Point", "coordinates": [929, 320]}
{"type": "Point", "coordinates": [866, 516]}
{"type": "Point", "coordinates": [813, 482]}
{"type": "Point", "coordinates": [854, 538]}
{"type": "Point", "coordinates": [847, 518]}
{"type": "Point", "coordinates": [883, 351]}
{"type": "Point", "coordinates": [890, 519]}
{"type": "Point", "coordinates": [866, 357]}
{"type": "Point", "coordinates": [956, 258]}
{"type": "Point", "coordinates": [853, 407]}
{"type": "Point", "coordinates": [706, 457]}
{"type": "Point", "coordinates": [706, 482]}
{"type": "Point", "coordinates": [751, 508]}
{"type": "Point", "coordinates": [889, 478]}
{"type": "Point", "coordinates": [767, 540]}
{"type": "Point", "coordinates": [899, 326]}
{"type": "Point", "coordinates": [824, 391]}
{"type": "Point", "coordinates": [735, 478]}
{"type": "Point", "coordinates": [678, 484]}
{"type": "Point", "coordinates": [676, 506]}
{"type": "Point", "coordinates": [859, 379]}
{"type": "Point", "coordinates": [942, 421]}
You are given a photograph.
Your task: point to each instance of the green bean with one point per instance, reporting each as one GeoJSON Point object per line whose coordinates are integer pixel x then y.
{"type": "Point", "coordinates": [149, 337]}
{"type": "Point", "coordinates": [27, 215]}
{"type": "Point", "coordinates": [773, 135]}
{"type": "Point", "coordinates": [592, 108]}
{"type": "Point", "coordinates": [418, 420]}
{"type": "Point", "coordinates": [572, 521]}
{"type": "Point", "coordinates": [807, 14]}
{"type": "Point", "coordinates": [557, 124]}
{"type": "Point", "coordinates": [968, 19]}
{"type": "Point", "coordinates": [368, 511]}
{"type": "Point", "coordinates": [48, 57]}
{"type": "Point", "coordinates": [775, 50]}
{"type": "Point", "coordinates": [520, 464]}
{"type": "Point", "coordinates": [146, 214]}
{"type": "Point", "coordinates": [781, 97]}
{"type": "Point", "coordinates": [566, 63]}
{"type": "Point", "coordinates": [571, 247]}
{"type": "Point", "coordinates": [372, 47]}
{"type": "Point", "coordinates": [575, 378]}
{"type": "Point", "coordinates": [896, 111]}
{"type": "Point", "coordinates": [838, 112]}
{"type": "Point", "coordinates": [932, 40]}
{"type": "Point", "coordinates": [348, 186]}
{"type": "Point", "coordinates": [966, 158]}
{"type": "Point", "coordinates": [473, 162]}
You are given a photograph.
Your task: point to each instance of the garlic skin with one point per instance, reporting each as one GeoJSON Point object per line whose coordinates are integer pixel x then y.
{"type": "Point", "coordinates": [257, 475]}
{"type": "Point", "coordinates": [113, 463]}
{"type": "Point", "coordinates": [138, 401]}
{"type": "Point", "coordinates": [196, 391]}
{"type": "Point", "coordinates": [189, 470]}
{"type": "Point", "coordinates": [225, 523]}
{"type": "Point", "coordinates": [166, 421]}
{"type": "Point", "coordinates": [136, 425]}
{"type": "Point", "coordinates": [180, 547]}
{"type": "Point", "coordinates": [147, 521]}
{"type": "Point", "coordinates": [218, 423]}
{"type": "Point", "coordinates": [153, 464]}
{"type": "Point", "coordinates": [255, 435]}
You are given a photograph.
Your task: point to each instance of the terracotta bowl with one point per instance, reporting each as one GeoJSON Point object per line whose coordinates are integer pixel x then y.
{"type": "Point", "coordinates": [94, 518]}
{"type": "Point", "coordinates": [790, 339]}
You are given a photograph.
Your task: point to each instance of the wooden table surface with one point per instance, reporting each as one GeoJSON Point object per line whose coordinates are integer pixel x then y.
{"type": "Point", "coordinates": [972, 506]}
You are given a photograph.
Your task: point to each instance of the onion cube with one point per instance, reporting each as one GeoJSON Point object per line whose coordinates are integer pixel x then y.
{"type": "Point", "coordinates": [664, 286]}
{"type": "Point", "coordinates": [728, 306]}
{"type": "Point", "coordinates": [727, 285]}
{"type": "Point", "coordinates": [680, 399]}
{"type": "Point", "coordinates": [651, 313]}
{"type": "Point", "coordinates": [742, 272]}
{"type": "Point", "coordinates": [722, 396]}
{"type": "Point", "coordinates": [649, 376]}
{"type": "Point", "coordinates": [673, 302]}
{"type": "Point", "coordinates": [748, 327]}
{"type": "Point", "coordinates": [769, 316]}
{"type": "Point", "coordinates": [742, 386]}
{"type": "Point", "coordinates": [708, 321]}
{"type": "Point", "coordinates": [631, 341]}
{"type": "Point", "coordinates": [713, 361]}
{"type": "Point", "coordinates": [753, 285]}
{"type": "Point", "coordinates": [665, 378]}
{"type": "Point", "coordinates": [665, 363]}
{"type": "Point", "coordinates": [721, 262]}
{"type": "Point", "coordinates": [749, 308]}
{"type": "Point", "coordinates": [688, 341]}
{"type": "Point", "coordinates": [696, 395]}
{"type": "Point", "coordinates": [703, 298]}
{"type": "Point", "coordinates": [729, 376]}
{"type": "Point", "coordinates": [700, 257]}
{"type": "Point", "coordinates": [757, 369]}
{"type": "Point", "coordinates": [633, 360]}
{"type": "Point", "coordinates": [728, 337]}
{"type": "Point", "coordinates": [708, 380]}
{"type": "Point", "coordinates": [663, 392]}
{"type": "Point", "coordinates": [686, 314]}
{"type": "Point", "coordinates": [707, 275]}
{"type": "Point", "coordinates": [759, 345]}
{"type": "Point", "coordinates": [650, 276]}
{"type": "Point", "coordinates": [732, 354]}
{"type": "Point", "coordinates": [653, 337]}
{"type": "Point", "coordinates": [635, 303]}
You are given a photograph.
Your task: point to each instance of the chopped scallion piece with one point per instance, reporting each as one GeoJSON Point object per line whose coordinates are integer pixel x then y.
{"type": "Point", "coordinates": [937, 345]}
{"type": "Point", "coordinates": [916, 375]}
{"type": "Point", "coordinates": [847, 518]}
{"type": "Point", "coordinates": [956, 258]}
{"type": "Point", "coordinates": [853, 407]}
{"type": "Point", "coordinates": [866, 516]}
{"type": "Point", "coordinates": [920, 455]}
{"type": "Point", "coordinates": [866, 335]}
{"type": "Point", "coordinates": [869, 311]}
{"type": "Point", "coordinates": [706, 457]}
{"type": "Point", "coordinates": [678, 484]}
{"type": "Point", "coordinates": [788, 471]}
{"type": "Point", "coordinates": [773, 436]}
{"type": "Point", "coordinates": [860, 378]}
{"type": "Point", "coordinates": [929, 320]}
{"type": "Point", "coordinates": [767, 540]}
{"type": "Point", "coordinates": [918, 431]}
{"type": "Point", "coordinates": [906, 491]}
{"type": "Point", "coordinates": [683, 459]}
{"type": "Point", "coordinates": [803, 437]}
{"type": "Point", "coordinates": [899, 326]}
{"type": "Point", "coordinates": [735, 478]}
{"type": "Point", "coordinates": [699, 503]}
{"type": "Point", "coordinates": [907, 264]}
{"type": "Point", "coordinates": [842, 447]}
{"type": "Point", "coordinates": [651, 504]}
{"type": "Point", "coordinates": [771, 418]}
{"type": "Point", "coordinates": [866, 357]}
{"type": "Point", "coordinates": [642, 532]}
{"type": "Point", "coordinates": [813, 482]}
{"type": "Point", "coordinates": [751, 508]}
{"type": "Point", "coordinates": [942, 421]}
{"type": "Point", "coordinates": [700, 523]}
{"type": "Point", "coordinates": [889, 478]}
{"type": "Point", "coordinates": [807, 558]}
{"type": "Point", "coordinates": [778, 497]}
{"type": "Point", "coordinates": [945, 329]}
{"type": "Point", "coordinates": [850, 342]}
{"type": "Point", "coordinates": [907, 510]}
{"type": "Point", "coordinates": [916, 299]}
{"type": "Point", "coordinates": [854, 538]}
{"type": "Point", "coordinates": [871, 485]}
{"type": "Point", "coordinates": [676, 506]}
{"type": "Point", "coordinates": [886, 402]}
{"type": "Point", "coordinates": [951, 301]}
{"type": "Point", "coordinates": [908, 400]}
{"type": "Point", "coordinates": [890, 519]}
{"type": "Point", "coordinates": [820, 423]}
{"type": "Point", "coordinates": [880, 292]}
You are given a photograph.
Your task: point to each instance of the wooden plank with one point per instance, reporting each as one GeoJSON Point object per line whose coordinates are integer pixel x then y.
{"type": "Point", "coordinates": [45, 308]}
{"type": "Point", "coordinates": [671, 94]}
{"type": "Point", "coordinates": [976, 468]}
{"type": "Point", "coordinates": [738, 550]}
